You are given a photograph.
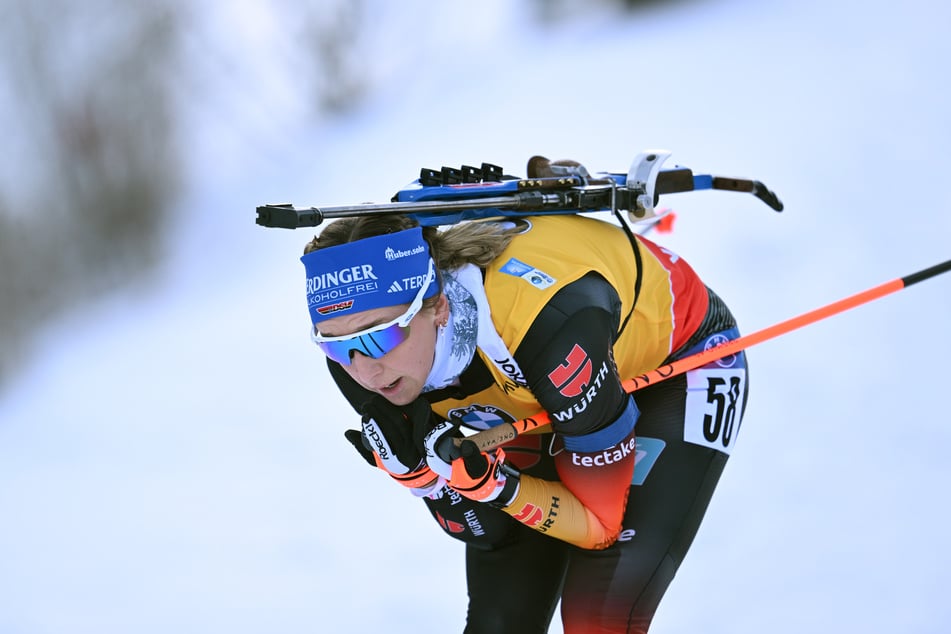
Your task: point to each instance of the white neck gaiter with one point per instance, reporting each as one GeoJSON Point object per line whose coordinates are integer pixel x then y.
{"type": "Point", "coordinates": [469, 326]}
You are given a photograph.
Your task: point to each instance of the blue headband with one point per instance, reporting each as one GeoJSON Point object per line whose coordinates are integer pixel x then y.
{"type": "Point", "coordinates": [384, 270]}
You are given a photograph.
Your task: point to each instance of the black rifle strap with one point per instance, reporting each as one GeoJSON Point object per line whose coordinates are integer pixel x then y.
{"type": "Point", "coordinates": [640, 269]}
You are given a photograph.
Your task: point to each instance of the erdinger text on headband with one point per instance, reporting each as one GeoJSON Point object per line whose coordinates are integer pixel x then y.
{"type": "Point", "coordinates": [376, 341]}
{"type": "Point", "coordinates": [382, 270]}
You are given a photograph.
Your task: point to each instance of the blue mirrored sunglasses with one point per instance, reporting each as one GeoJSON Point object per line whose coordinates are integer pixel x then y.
{"type": "Point", "coordinates": [376, 341]}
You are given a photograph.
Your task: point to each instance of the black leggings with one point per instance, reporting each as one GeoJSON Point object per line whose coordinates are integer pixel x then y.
{"type": "Point", "coordinates": [516, 586]}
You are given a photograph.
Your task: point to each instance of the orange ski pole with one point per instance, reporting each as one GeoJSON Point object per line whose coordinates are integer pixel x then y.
{"type": "Point", "coordinates": [501, 434]}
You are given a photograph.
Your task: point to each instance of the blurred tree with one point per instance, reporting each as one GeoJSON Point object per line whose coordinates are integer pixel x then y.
{"type": "Point", "coordinates": [91, 169]}
{"type": "Point", "coordinates": [555, 10]}
{"type": "Point", "coordinates": [332, 35]}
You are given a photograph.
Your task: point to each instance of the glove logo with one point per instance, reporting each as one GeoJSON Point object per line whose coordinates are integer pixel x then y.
{"type": "Point", "coordinates": [379, 444]}
{"type": "Point", "coordinates": [574, 375]}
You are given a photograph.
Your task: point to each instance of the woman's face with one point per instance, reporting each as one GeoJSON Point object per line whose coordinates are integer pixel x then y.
{"type": "Point", "coordinates": [399, 375]}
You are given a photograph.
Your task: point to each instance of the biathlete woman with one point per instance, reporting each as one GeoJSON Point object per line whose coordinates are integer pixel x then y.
{"type": "Point", "coordinates": [429, 333]}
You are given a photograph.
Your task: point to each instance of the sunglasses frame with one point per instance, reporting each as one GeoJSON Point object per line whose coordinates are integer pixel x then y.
{"type": "Point", "coordinates": [363, 341]}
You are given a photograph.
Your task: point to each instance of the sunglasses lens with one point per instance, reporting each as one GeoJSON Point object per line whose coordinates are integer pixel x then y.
{"type": "Point", "coordinates": [338, 351]}
{"type": "Point", "coordinates": [373, 344]}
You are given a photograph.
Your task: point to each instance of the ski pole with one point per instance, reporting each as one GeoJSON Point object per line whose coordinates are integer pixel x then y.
{"type": "Point", "coordinates": [491, 438]}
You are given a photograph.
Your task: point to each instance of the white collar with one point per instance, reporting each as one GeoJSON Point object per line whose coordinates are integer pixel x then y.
{"type": "Point", "coordinates": [469, 326]}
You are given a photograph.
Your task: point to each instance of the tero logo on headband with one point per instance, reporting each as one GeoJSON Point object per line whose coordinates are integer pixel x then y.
{"type": "Point", "coordinates": [411, 283]}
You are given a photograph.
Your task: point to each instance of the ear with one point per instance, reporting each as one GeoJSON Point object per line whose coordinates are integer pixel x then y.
{"type": "Point", "coordinates": [442, 309]}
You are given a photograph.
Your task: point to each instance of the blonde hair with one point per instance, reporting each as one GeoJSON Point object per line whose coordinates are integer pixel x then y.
{"type": "Point", "coordinates": [477, 243]}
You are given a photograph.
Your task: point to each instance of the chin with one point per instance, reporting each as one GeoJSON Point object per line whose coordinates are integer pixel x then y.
{"type": "Point", "coordinates": [403, 397]}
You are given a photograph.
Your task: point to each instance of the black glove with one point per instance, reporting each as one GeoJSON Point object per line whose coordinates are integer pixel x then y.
{"type": "Point", "coordinates": [392, 439]}
{"type": "Point", "coordinates": [478, 475]}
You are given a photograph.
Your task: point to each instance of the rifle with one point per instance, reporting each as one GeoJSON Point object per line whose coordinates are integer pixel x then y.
{"type": "Point", "coordinates": [452, 195]}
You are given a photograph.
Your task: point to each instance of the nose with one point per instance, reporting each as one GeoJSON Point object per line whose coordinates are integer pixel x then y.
{"type": "Point", "coordinates": [365, 368]}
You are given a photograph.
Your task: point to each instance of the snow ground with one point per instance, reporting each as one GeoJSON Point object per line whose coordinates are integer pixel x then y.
{"type": "Point", "coordinates": [173, 460]}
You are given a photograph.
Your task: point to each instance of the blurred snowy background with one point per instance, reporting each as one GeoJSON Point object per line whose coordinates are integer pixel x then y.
{"type": "Point", "coordinates": [171, 449]}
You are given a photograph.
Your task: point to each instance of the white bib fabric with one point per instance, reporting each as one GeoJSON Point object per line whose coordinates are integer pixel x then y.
{"type": "Point", "coordinates": [469, 326]}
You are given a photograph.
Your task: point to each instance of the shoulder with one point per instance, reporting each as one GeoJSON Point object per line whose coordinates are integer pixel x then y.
{"type": "Point", "coordinates": [590, 291]}
{"type": "Point", "coordinates": [590, 304]}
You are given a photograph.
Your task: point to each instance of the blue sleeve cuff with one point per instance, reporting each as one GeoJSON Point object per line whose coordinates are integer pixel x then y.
{"type": "Point", "coordinates": [609, 436]}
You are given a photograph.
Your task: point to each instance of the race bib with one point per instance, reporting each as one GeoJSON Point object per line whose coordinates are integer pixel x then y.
{"type": "Point", "coordinates": [714, 407]}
